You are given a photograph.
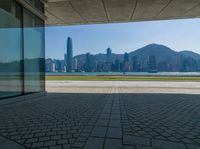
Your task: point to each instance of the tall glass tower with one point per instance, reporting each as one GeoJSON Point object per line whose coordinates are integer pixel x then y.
{"type": "Point", "coordinates": [109, 55]}
{"type": "Point", "coordinates": [69, 54]}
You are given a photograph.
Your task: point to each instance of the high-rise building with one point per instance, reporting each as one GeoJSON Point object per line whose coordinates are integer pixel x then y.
{"type": "Point", "coordinates": [117, 65]}
{"type": "Point", "coordinates": [75, 64]}
{"type": "Point", "coordinates": [87, 64]}
{"type": "Point", "coordinates": [90, 63]}
{"type": "Point", "coordinates": [58, 66]}
{"type": "Point", "coordinates": [69, 55]}
{"type": "Point", "coordinates": [109, 55]}
{"type": "Point", "coordinates": [126, 57]}
{"type": "Point", "coordinates": [54, 67]}
{"type": "Point", "coordinates": [135, 64]}
{"type": "Point", "coordinates": [108, 59]}
{"type": "Point", "coordinates": [126, 66]}
{"type": "Point", "coordinates": [49, 65]}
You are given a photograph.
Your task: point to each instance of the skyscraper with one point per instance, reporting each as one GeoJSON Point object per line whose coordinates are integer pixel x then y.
{"type": "Point", "coordinates": [49, 65]}
{"type": "Point", "coordinates": [135, 64]}
{"type": "Point", "coordinates": [117, 65]}
{"type": "Point", "coordinates": [58, 66]}
{"type": "Point", "coordinates": [90, 63]}
{"type": "Point", "coordinates": [69, 54]}
{"type": "Point", "coordinates": [126, 62]}
{"type": "Point", "coordinates": [75, 64]}
{"type": "Point", "coordinates": [109, 55]}
{"type": "Point", "coordinates": [126, 57]}
{"type": "Point", "coordinates": [109, 59]}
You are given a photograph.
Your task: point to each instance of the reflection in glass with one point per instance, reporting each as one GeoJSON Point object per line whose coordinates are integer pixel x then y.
{"type": "Point", "coordinates": [33, 53]}
{"type": "Point", "coordinates": [21, 50]}
{"type": "Point", "coordinates": [10, 50]}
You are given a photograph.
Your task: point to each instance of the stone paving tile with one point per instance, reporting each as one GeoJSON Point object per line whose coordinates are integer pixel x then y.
{"type": "Point", "coordinates": [55, 147]}
{"type": "Point", "coordinates": [114, 133]}
{"type": "Point", "coordinates": [141, 121]}
{"type": "Point", "coordinates": [167, 144]}
{"type": "Point", "coordinates": [99, 132]}
{"type": "Point", "coordinates": [32, 140]}
{"type": "Point", "coordinates": [113, 144]}
{"type": "Point", "coordinates": [128, 147]}
{"type": "Point", "coordinates": [2, 139]}
{"type": "Point", "coordinates": [49, 143]}
{"type": "Point", "coordinates": [115, 116]}
{"type": "Point", "coordinates": [94, 143]}
{"type": "Point", "coordinates": [66, 146]}
{"type": "Point", "coordinates": [78, 144]}
{"type": "Point", "coordinates": [37, 144]}
{"type": "Point", "coordinates": [148, 147]}
{"type": "Point", "coordinates": [102, 122]}
{"type": "Point", "coordinates": [189, 146]}
{"type": "Point", "coordinates": [131, 140]}
{"type": "Point", "coordinates": [105, 116]}
{"type": "Point", "coordinates": [115, 123]}
{"type": "Point", "coordinates": [62, 141]}
{"type": "Point", "coordinates": [7, 144]}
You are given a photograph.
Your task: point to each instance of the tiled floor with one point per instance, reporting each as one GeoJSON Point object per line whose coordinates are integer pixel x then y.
{"type": "Point", "coordinates": [104, 121]}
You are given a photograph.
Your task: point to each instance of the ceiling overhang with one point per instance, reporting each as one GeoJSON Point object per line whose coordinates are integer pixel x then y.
{"type": "Point", "coordinates": [71, 12]}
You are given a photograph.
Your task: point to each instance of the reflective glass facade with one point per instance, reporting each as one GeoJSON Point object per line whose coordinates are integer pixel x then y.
{"type": "Point", "coordinates": [21, 50]}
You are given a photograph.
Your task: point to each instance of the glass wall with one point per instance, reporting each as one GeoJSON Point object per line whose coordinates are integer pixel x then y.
{"type": "Point", "coordinates": [33, 53]}
{"type": "Point", "coordinates": [10, 49]}
{"type": "Point", "coordinates": [21, 50]}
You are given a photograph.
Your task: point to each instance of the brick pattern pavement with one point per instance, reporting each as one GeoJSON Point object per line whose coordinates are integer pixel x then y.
{"type": "Point", "coordinates": [105, 121]}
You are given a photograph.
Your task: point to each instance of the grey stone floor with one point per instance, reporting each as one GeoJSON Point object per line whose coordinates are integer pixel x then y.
{"type": "Point", "coordinates": [114, 120]}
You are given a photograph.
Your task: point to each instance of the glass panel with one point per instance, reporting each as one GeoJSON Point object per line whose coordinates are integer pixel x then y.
{"type": "Point", "coordinates": [10, 49]}
{"type": "Point", "coordinates": [33, 53]}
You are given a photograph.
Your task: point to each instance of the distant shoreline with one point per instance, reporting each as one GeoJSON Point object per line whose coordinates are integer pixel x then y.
{"type": "Point", "coordinates": [120, 78]}
{"type": "Point", "coordinates": [130, 75]}
{"type": "Point", "coordinates": [127, 74]}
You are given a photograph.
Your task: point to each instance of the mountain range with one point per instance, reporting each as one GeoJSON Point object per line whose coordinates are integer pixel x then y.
{"type": "Point", "coordinates": [162, 53]}
{"type": "Point", "coordinates": [167, 59]}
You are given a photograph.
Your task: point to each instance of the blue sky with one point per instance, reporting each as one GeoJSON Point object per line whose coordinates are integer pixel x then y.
{"type": "Point", "coordinates": [123, 37]}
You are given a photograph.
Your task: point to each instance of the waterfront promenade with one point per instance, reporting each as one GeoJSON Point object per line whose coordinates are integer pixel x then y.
{"type": "Point", "coordinates": [105, 115]}
{"type": "Point", "coordinates": [177, 87]}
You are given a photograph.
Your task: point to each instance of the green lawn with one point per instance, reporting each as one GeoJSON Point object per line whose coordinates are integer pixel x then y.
{"type": "Point", "coordinates": [123, 78]}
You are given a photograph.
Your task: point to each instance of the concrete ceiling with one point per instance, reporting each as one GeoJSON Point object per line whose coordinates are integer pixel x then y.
{"type": "Point", "coordinates": [70, 12]}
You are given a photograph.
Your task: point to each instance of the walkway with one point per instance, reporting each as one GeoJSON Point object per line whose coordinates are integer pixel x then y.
{"type": "Point", "coordinates": [113, 120]}
{"type": "Point", "coordinates": [177, 87]}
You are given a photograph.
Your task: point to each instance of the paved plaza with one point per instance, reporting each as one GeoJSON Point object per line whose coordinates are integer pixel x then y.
{"type": "Point", "coordinates": [177, 87]}
{"type": "Point", "coordinates": [114, 119]}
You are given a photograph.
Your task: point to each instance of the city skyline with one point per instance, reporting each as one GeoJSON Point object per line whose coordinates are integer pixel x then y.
{"type": "Point", "coordinates": [109, 51]}
{"type": "Point", "coordinates": [124, 37]}
{"type": "Point", "coordinates": [150, 58]}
